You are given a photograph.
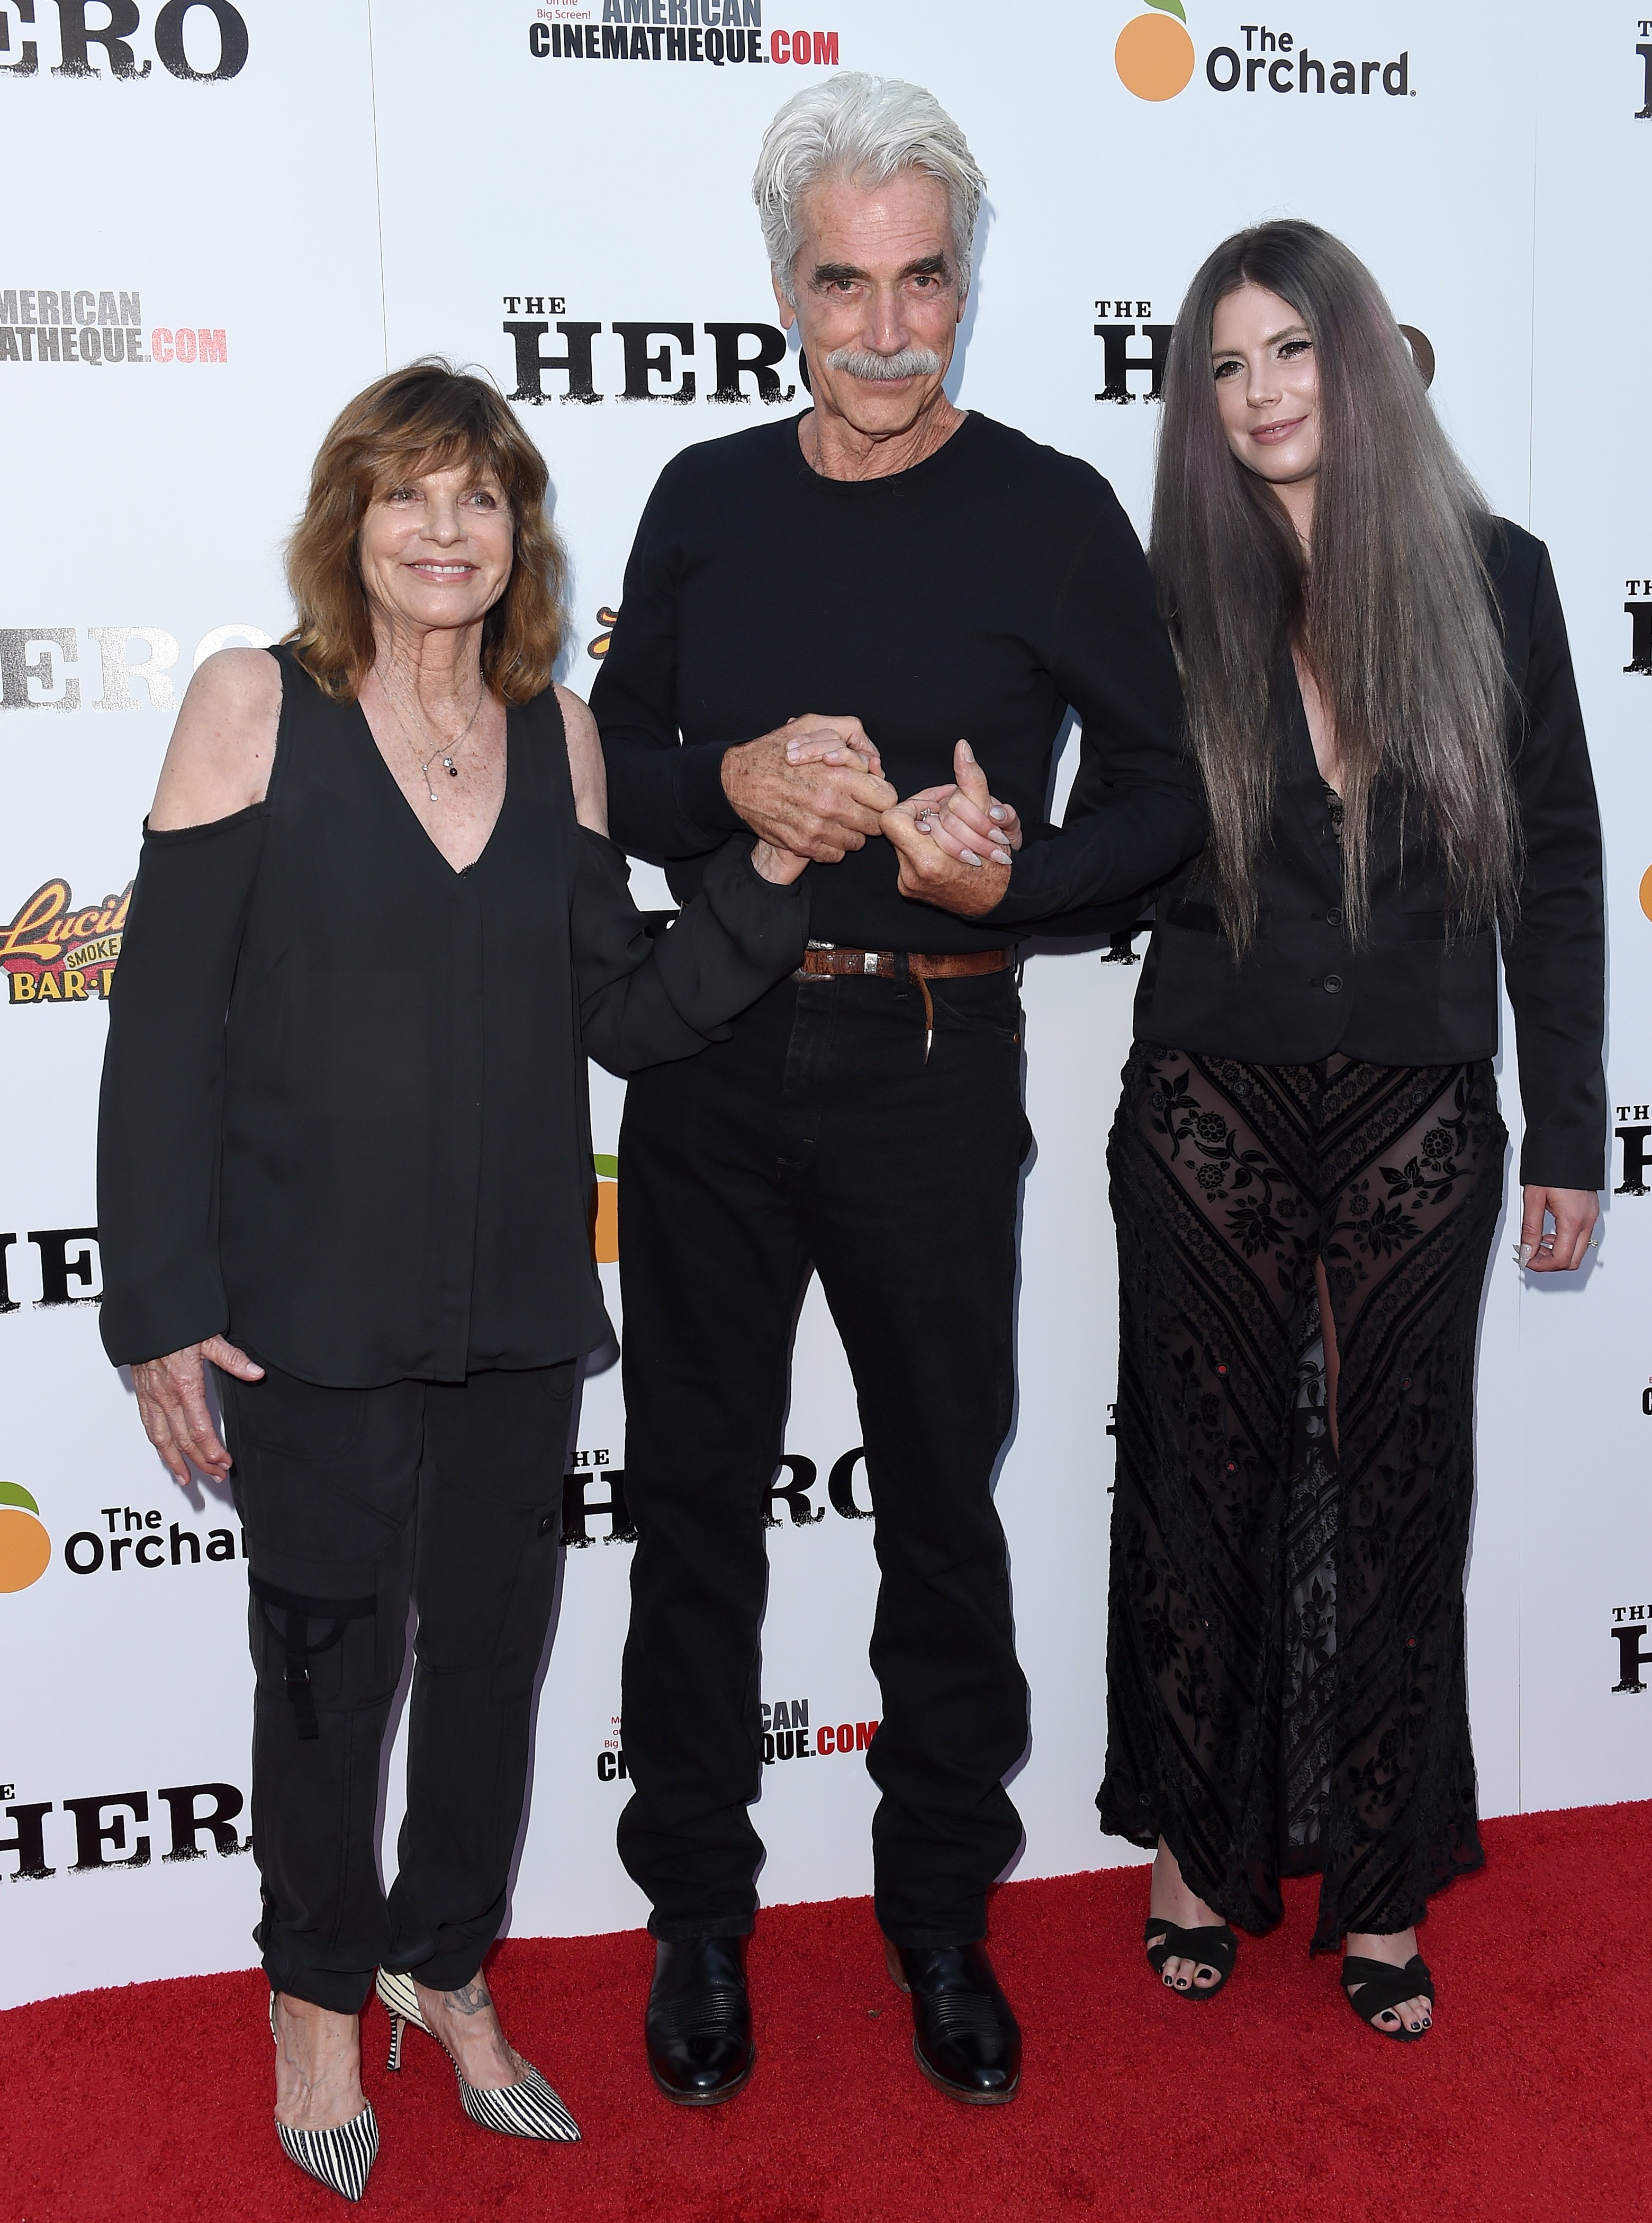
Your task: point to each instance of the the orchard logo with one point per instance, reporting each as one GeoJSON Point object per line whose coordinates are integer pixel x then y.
{"type": "Point", "coordinates": [1155, 60]}
{"type": "Point", "coordinates": [1279, 61]}
{"type": "Point", "coordinates": [605, 1209]}
{"type": "Point", "coordinates": [1154, 55]}
{"type": "Point", "coordinates": [25, 1548]}
{"type": "Point", "coordinates": [57, 951]}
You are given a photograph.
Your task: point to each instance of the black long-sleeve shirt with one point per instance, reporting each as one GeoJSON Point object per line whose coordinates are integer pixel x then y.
{"type": "Point", "coordinates": [343, 1118]}
{"type": "Point", "coordinates": [978, 595]}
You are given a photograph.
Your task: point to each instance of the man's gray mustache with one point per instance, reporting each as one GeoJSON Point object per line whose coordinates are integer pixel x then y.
{"type": "Point", "coordinates": [905, 362]}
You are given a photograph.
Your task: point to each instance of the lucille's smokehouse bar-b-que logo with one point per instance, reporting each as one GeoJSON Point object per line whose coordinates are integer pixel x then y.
{"type": "Point", "coordinates": [55, 953]}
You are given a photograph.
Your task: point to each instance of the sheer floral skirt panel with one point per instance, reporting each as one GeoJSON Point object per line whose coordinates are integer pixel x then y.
{"type": "Point", "coordinates": [1286, 1685]}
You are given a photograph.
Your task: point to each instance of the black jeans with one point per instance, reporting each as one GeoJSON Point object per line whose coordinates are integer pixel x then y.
{"type": "Point", "coordinates": [355, 1503]}
{"type": "Point", "coordinates": [817, 1136]}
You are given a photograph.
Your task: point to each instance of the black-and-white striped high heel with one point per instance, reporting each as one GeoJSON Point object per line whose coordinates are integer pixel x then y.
{"type": "Point", "coordinates": [525, 2109]}
{"type": "Point", "coordinates": [341, 2159]}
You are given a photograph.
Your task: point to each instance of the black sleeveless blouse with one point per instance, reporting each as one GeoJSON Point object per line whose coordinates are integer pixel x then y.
{"type": "Point", "coordinates": [344, 1116]}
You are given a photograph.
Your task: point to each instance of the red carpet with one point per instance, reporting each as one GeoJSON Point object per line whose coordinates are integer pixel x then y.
{"type": "Point", "coordinates": [1529, 2099]}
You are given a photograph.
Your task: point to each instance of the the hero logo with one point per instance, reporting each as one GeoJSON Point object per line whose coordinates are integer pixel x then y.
{"type": "Point", "coordinates": [200, 42]}
{"type": "Point", "coordinates": [655, 359]}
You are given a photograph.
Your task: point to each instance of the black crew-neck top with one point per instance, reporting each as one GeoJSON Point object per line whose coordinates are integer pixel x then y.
{"type": "Point", "coordinates": [343, 1118]}
{"type": "Point", "coordinates": [980, 595]}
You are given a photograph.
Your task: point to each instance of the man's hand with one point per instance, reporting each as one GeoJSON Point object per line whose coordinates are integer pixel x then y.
{"type": "Point", "coordinates": [937, 864]}
{"type": "Point", "coordinates": [172, 1405]}
{"type": "Point", "coordinates": [1575, 1211]}
{"type": "Point", "coordinates": [814, 786]}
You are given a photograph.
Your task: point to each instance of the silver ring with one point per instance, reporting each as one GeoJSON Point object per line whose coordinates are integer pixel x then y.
{"type": "Point", "coordinates": [1594, 1243]}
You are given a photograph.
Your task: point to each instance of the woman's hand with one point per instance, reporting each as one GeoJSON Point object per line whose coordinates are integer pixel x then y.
{"type": "Point", "coordinates": [1575, 1211]}
{"type": "Point", "coordinates": [172, 1405]}
{"type": "Point", "coordinates": [816, 740]}
{"type": "Point", "coordinates": [945, 858]}
{"type": "Point", "coordinates": [967, 821]}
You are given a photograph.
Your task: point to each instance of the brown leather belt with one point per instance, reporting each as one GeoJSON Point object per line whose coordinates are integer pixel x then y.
{"type": "Point", "coordinates": [827, 960]}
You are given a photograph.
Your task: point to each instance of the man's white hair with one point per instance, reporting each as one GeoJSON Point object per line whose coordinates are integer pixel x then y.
{"type": "Point", "coordinates": [856, 126]}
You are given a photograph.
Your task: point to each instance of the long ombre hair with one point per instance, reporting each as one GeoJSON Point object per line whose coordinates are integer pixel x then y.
{"type": "Point", "coordinates": [1392, 610]}
{"type": "Point", "coordinates": [424, 417]}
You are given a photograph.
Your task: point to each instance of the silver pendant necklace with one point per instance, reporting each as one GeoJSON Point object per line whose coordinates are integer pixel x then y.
{"type": "Point", "coordinates": [443, 756]}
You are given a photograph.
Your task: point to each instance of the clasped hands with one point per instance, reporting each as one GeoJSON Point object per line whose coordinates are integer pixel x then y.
{"type": "Point", "coordinates": [814, 788]}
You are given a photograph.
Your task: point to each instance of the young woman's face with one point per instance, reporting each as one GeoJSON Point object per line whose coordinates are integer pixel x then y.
{"type": "Point", "coordinates": [1267, 385]}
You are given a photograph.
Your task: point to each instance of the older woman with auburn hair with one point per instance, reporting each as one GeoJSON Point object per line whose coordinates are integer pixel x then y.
{"type": "Point", "coordinates": [344, 1162]}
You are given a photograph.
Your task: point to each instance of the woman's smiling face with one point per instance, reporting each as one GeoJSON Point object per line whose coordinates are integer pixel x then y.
{"type": "Point", "coordinates": [436, 548]}
{"type": "Point", "coordinates": [1267, 385]}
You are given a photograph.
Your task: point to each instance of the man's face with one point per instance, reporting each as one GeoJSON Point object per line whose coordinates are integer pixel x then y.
{"type": "Point", "coordinates": [877, 283]}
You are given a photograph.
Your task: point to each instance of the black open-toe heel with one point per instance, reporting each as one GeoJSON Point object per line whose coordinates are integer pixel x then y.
{"type": "Point", "coordinates": [1215, 1947]}
{"type": "Point", "coordinates": [1382, 1987]}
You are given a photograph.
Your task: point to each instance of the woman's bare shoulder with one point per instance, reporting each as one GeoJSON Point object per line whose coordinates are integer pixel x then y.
{"type": "Point", "coordinates": [222, 746]}
{"type": "Point", "coordinates": [585, 763]}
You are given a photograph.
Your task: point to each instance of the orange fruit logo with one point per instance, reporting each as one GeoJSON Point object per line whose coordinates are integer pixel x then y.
{"type": "Point", "coordinates": [1646, 891]}
{"type": "Point", "coordinates": [25, 1548]}
{"type": "Point", "coordinates": [1154, 56]}
{"type": "Point", "coordinates": [605, 1228]}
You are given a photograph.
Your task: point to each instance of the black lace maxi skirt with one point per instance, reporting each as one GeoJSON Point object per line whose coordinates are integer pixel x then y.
{"type": "Point", "coordinates": [1286, 1686]}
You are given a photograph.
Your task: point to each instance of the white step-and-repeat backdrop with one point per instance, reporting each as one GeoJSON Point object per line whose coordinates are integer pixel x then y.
{"type": "Point", "coordinates": [224, 219]}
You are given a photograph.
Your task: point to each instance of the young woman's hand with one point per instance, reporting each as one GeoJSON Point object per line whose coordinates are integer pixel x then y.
{"type": "Point", "coordinates": [1575, 1211]}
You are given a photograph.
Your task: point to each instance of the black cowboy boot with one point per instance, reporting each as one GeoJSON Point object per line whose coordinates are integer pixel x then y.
{"type": "Point", "coordinates": [699, 2020]}
{"type": "Point", "coordinates": [965, 2036]}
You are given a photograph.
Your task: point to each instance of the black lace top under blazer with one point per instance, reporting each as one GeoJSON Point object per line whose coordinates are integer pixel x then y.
{"type": "Point", "coordinates": [343, 1116]}
{"type": "Point", "coordinates": [1410, 994]}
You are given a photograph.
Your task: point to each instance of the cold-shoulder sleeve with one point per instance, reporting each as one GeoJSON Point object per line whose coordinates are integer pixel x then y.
{"type": "Point", "coordinates": [647, 999]}
{"type": "Point", "coordinates": [161, 1114]}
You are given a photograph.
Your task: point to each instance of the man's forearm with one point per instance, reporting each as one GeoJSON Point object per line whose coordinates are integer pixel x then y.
{"type": "Point", "coordinates": [667, 801]}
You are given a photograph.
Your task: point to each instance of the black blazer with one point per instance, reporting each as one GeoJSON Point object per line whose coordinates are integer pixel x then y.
{"type": "Point", "coordinates": [1415, 994]}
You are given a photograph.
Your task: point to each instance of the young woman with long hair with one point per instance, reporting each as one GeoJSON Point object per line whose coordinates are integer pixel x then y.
{"type": "Point", "coordinates": [1307, 1160]}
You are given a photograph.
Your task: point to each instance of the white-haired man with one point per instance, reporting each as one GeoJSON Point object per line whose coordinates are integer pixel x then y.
{"type": "Point", "coordinates": [930, 575]}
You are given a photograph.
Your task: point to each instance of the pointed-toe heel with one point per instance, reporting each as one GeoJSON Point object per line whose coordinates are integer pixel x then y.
{"type": "Point", "coordinates": [526, 2109]}
{"type": "Point", "coordinates": [341, 2159]}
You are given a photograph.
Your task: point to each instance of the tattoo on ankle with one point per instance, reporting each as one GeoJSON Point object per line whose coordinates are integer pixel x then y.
{"type": "Point", "coordinates": [471, 1998]}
